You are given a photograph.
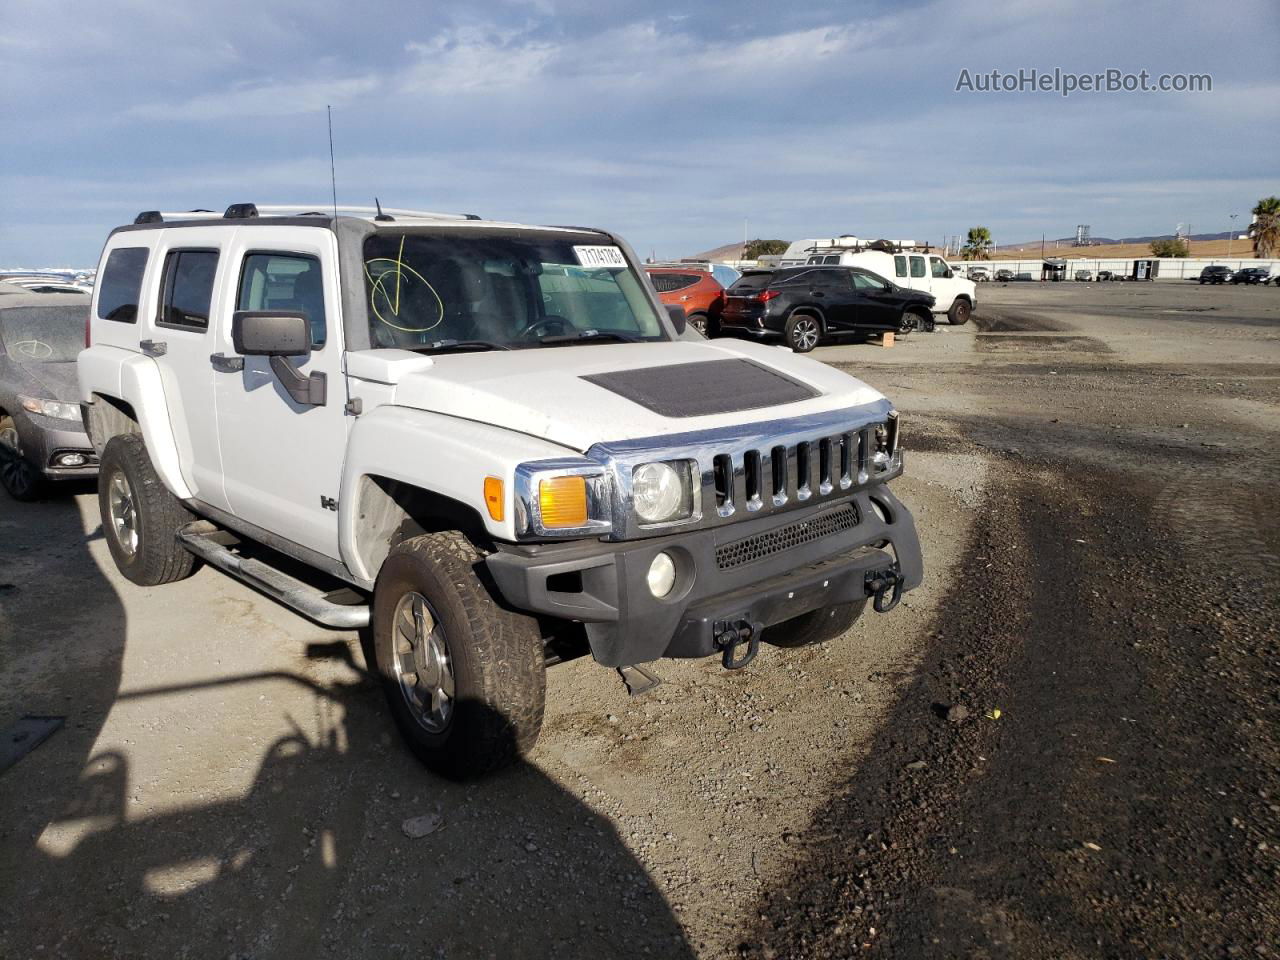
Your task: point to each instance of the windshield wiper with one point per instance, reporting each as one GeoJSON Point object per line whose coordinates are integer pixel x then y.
{"type": "Point", "coordinates": [445, 346]}
{"type": "Point", "coordinates": [587, 336]}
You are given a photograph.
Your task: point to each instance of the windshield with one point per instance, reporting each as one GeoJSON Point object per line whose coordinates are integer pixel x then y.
{"type": "Point", "coordinates": [508, 289]}
{"type": "Point", "coordinates": [43, 334]}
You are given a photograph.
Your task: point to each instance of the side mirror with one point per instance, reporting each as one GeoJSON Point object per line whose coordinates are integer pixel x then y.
{"type": "Point", "coordinates": [281, 335]}
{"type": "Point", "coordinates": [271, 333]}
{"type": "Point", "coordinates": [676, 313]}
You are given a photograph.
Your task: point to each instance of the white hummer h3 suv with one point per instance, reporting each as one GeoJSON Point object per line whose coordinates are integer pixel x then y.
{"type": "Point", "coordinates": [476, 439]}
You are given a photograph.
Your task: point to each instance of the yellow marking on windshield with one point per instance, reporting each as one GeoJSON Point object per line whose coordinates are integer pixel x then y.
{"type": "Point", "coordinates": [378, 285]}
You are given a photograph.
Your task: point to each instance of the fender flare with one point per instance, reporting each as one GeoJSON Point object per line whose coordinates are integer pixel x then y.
{"type": "Point", "coordinates": [111, 373]}
{"type": "Point", "coordinates": [444, 456]}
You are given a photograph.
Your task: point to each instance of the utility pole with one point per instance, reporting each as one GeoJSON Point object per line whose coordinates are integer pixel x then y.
{"type": "Point", "coordinates": [1232, 235]}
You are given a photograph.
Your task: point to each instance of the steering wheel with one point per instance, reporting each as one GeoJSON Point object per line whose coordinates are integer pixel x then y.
{"type": "Point", "coordinates": [550, 320]}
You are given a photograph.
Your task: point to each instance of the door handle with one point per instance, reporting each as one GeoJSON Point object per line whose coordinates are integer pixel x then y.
{"type": "Point", "coordinates": [224, 364]}
{"type": "Point", "coordinates": [153, 348]}
{"type": "Point", "coordinates": [816, 293]}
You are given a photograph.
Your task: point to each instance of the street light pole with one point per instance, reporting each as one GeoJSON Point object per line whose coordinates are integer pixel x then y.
{"type": "Point", "coordinates": [1232, 235]}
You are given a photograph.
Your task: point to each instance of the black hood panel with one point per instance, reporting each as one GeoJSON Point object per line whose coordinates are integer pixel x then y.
{"type": "Point", "coordinates": [705, 387]}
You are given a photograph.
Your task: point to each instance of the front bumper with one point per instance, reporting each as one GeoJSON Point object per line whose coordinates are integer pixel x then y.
{"type": "Point", "coordinates": [604, 585]}
{"type": "Point", "coordinates": [45, 439]}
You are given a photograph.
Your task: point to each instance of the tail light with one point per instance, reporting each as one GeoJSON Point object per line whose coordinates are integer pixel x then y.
{"type": "Point", "coordinates": [766, 295]}
{"type": "Point", "coordinates": [88, 341]}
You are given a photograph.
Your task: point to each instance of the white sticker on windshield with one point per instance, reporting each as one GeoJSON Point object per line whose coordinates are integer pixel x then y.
{"type": "Point", "coordinates": [609, 257]}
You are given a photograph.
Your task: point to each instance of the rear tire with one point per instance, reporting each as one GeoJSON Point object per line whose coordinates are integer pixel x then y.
{"type": "Point", "coordinates": [18, 475]}
{"type": "Point", "coordinates": [464, 678]}
{"type": "Point", "coordinates": [817, 626]}
{"type": "Point", "coordinates": [959, 313]}
{"type": "Point", "coordinates": [802, 332]}
{"type": "Point", "coordinates": [140, 517]}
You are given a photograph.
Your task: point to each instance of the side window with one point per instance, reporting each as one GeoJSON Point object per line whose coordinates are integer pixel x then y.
{"type": "Point", "coordinates": [284, 281]}
{"type": "Point", "coordinates": [188, 288]}
{"type": "Point", "coordinates": [900, 266]}
{"type": "Point", "coordinates": [121, 283]}
{"type": "Point", "coordinates": [939, 267]}
{"type": "Point", "coordinates": [865, 281]}
{"type": "Point", "coordinates": [917, 266]}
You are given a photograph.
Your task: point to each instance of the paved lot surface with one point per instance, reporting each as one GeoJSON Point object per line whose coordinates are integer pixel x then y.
{"type": "Point", "coordinates": [1093, 470]}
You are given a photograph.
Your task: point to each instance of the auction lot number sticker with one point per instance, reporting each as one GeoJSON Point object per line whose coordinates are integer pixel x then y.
{"type": "Point", "coordinates": [609, 257]}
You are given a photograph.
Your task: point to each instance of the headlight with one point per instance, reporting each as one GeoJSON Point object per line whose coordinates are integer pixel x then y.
{"type": "Point", "coordinates": [51, 408]}
{"type": "Point", "coordinates": [662, 492]}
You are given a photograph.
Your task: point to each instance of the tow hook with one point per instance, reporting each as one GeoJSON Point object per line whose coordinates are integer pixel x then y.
{"type": "Point", "coordinates": [730, 635]}
{"type": "Point", "coordinates": [885, 588]}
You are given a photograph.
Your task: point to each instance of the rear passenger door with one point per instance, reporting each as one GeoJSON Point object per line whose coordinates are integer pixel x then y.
{"type": "Point", "coordinates": [282, 460]}
{"type": "Point", "coordinates": [919, 279]}
{"type": "Point", "coordinates": [178, 336]}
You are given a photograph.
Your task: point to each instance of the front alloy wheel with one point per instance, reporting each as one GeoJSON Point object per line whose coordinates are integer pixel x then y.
{"type": "Point", "coordinates": [17, 474]}
{"type": "Point", "coordinates": [422, 665]}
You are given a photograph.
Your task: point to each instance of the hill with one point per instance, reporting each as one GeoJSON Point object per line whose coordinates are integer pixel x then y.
{"type": "Point", "coordinates": [730, 251]}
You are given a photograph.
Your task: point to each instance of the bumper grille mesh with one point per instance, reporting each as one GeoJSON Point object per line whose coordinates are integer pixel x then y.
{"type": "Point", "coordinates": [751, 549]}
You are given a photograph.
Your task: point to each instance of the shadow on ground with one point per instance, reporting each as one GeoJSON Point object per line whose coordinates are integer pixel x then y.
{"type": "Point", "coordinates": [311, 859]}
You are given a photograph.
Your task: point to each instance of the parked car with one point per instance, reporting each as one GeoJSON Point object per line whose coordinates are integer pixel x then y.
{"type": "Point", "coordinates": [1252, 275]}
{"type": "Point", "coordinates": [803, 305]}
{"type": "Point", "coordinates": [42, 436]}
{"type": "Point", "coordinates": [495, 435]}
{"type": "Point", "coordinates": [979, 274]}
{"type": "Point", "coordinates": [1216, 273]}
{"type": "Point", "coordinates": [697, 292]}
{"type": "Point", "coordinates": [954, 294]}
{"type": "Point", "coordinates": [1084, 275]}
{"type": "Point", "coordinates": [1107, 275]}
{"type": "Point", "coordinates": [1004, 276]}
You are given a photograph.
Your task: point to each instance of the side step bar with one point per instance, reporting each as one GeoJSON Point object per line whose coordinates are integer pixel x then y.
{"type": "Point", "coordinates": [214, 546]}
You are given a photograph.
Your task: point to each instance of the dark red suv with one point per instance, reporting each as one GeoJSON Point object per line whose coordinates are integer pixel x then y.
{"type": "Point", "coordinates": [696, 290]}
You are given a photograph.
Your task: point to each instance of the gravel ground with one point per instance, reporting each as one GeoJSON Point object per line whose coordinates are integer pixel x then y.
{"type": "Point", "coordinates": [1092, 469]}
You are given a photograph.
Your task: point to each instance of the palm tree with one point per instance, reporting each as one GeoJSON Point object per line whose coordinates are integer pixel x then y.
{"type": "Point", "coordinates": [978, 244]}
{"type": "Point", "coordinates": [1266, 227]}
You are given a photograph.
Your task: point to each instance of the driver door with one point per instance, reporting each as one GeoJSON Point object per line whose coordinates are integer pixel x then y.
{"type": "Point", "coordinates": [281, 459]}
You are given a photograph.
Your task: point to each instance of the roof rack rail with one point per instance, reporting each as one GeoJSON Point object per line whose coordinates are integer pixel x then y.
{"type": "Point", "coordinates": [246, 211]}
{"type": "Point", "coordinates": [326, 209]}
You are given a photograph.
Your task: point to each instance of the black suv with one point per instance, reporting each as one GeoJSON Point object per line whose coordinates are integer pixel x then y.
{"type": "Point", "coordinates": [805, 304]}
{"type": "Point", "coordinates": [1252, 275]}
{"type": "Point", "coordinates": [1215, 274]}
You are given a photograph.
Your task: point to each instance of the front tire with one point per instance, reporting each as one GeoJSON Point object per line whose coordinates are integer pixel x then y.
{"type": "Point", "coordinates": [18, 475]}
{"type": "Point", "coordinates": [817, 626]}
{"type": "Point", "coordinates": [959, 313]}
{"type": "Point", "coordinates": [699, 322]}
{"type": "Point", "coordinates": [464, 678]}
{"type": "Point", "coordinates": [140, 517]}
{"type": "Point", "coordinates": [802, 332]}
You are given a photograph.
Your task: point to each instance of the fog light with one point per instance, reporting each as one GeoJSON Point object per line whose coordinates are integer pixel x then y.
{"type": "Point", "coordinates": [662, 575]}
{"type": "Point", "coordinates": [72, 460]}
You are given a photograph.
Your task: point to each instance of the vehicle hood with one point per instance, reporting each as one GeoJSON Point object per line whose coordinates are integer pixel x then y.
{"type": "Point", "coordinates": [577, 396]}
{"type": "Point", "coordinates": [53, 381]}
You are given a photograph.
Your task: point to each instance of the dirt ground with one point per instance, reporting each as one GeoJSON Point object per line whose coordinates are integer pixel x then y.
{"type": "Point", "coordinates": [1092, 469]}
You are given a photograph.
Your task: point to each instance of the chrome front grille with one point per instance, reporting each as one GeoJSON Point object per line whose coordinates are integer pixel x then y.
{"type": "Point", "coordinates": [758, 469]}
{"type": "Point", "coordinates": [770, 476]}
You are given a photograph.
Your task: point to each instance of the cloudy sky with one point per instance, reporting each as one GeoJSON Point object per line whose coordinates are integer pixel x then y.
{"type": "Point", "coordinates": [668, 122]}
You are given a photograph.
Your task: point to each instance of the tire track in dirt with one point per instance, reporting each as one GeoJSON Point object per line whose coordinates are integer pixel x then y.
{"type": "Point", "coordinates": [1120, 806]}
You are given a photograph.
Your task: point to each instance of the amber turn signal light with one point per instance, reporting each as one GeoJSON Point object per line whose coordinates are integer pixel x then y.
{"type": "Point", "coordinates": [562, 501]}
{"type": "Point", "coordinates": [493, 498]}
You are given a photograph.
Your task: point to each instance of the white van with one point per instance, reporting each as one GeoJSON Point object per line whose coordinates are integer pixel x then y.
{"type": "Point", "coordinates": [915, 269]}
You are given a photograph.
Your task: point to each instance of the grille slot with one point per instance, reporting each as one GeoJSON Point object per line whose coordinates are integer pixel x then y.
{"type": "Point", "coordinates": [762, 545]}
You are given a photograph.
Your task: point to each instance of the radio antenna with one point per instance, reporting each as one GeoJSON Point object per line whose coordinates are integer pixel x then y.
{"type": "Point", "coordinates": [333, 178]}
